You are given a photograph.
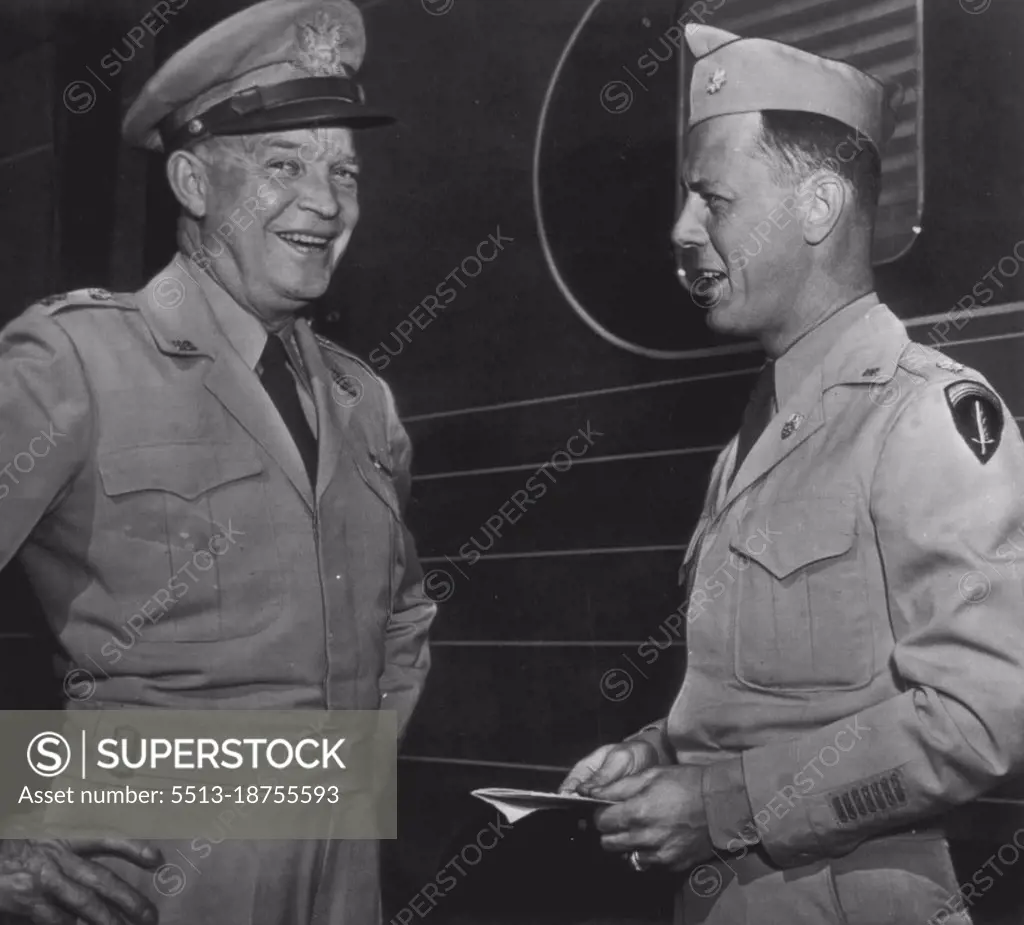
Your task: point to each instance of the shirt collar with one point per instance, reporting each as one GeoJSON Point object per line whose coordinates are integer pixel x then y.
{"type": "Point", "coordinates": [811, 349]}
{"type": "Point", "coordinates": [243, 330]}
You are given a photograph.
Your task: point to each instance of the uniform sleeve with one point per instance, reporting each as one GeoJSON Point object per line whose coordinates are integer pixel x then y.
{"type": "Point", "coordinates": [45, 424]}
{"type": "Point", "coordinates": [407, 651]}
{"type": "Point", "coordinates": [655, 734]}
{"type": "Point", "coordinates": [949, 524]}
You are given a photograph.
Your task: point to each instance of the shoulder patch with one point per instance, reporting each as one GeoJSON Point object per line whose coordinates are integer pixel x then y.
{"type": "Point", "coordinates": [978, 417]}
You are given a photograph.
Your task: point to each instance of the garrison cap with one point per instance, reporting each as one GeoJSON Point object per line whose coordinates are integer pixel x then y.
{"type": "Point", "coordinates": [274, 66]}
{"type": "Point", "coordinates": [734, 74]}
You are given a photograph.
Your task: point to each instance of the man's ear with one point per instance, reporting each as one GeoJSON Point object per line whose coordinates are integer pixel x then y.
{"type": "Point", "coordinates": [824, 197]}
{"type": "Point", "coordinates": [188, 176]}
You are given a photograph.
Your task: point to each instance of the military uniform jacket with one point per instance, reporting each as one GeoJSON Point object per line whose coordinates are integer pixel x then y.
{"type": "Point", "coordinates": [855, 625]}
{"type": "Point", "coordinates": [171, 533]}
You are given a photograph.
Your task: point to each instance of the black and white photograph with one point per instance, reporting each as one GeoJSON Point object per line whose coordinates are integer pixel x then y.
{"type": "Point", "coordinates": [512, 462]}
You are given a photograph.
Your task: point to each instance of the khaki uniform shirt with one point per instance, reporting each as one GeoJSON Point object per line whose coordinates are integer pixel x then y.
{"type": "Point", "coordinates": [161, 510]}
{"type": "Point", "coordinates": [855, 624]}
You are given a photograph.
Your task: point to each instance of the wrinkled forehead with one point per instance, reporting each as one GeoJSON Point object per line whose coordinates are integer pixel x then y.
{"type": "Point", "coordinates": [309, 145]}
{"type": "Point", "coordinates": [332, 142]}
{"type": "Point", "coordinates": [721, 146]}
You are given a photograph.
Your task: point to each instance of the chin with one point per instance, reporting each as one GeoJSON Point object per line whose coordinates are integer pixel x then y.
{"type": "Point", "coordinates": [720, 321]}
{"type": "Point", "coordinates": [305, 289]}
{"type": "Point", "coordinates": [732, 318]}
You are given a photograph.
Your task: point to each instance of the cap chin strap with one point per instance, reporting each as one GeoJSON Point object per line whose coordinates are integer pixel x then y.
{"type": "Point", "coordinates": [292, 104]}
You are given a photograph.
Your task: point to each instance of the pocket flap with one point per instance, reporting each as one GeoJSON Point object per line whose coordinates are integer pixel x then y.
{"type": "Point", "coordinates": [376, 472]}
{"type": "Point", "coordinates": [184, 469]}
{"type": "Point", "coordinates": [789, 535]}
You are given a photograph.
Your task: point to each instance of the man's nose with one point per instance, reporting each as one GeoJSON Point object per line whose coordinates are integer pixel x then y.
{"type": "Point", "coordinates": [689, 233]}
{"type": "Point", "coordinates": [690, 238]}
{"type": "Point", "coordinates": [320, 195]}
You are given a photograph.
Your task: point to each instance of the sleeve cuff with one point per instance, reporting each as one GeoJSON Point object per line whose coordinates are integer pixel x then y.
{"type": "Point", "coordinates": [726, 804]}
{"type": "Point", "coordinates": [654, 734]}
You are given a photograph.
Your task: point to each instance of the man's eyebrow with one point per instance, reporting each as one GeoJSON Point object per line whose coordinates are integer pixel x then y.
{"type": "Point", "coordinates": [698, 186]}
{"type": "Point", "coordinates": [281, 143]}
{"type": "Point", "coordinates": [348, 157]}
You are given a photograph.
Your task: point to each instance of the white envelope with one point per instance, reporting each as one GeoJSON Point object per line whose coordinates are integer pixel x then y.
{"type": "Point", "coordinates": [516, 804]}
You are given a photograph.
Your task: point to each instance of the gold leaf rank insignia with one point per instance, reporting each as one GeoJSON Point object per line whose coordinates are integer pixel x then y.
{"type": "Point", "coordinates": [978, 416]}
{"type": "Point", "coordinates": [717, 80]}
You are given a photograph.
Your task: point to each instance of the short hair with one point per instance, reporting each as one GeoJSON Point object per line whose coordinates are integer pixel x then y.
{"type": "Point", "coordinates": [799, 143]}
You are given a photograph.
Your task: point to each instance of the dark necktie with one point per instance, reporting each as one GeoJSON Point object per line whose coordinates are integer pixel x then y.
{"type": "Point", "coordinates": [283, 390]}
{"type": "Point", "coordinates": [758, 413]}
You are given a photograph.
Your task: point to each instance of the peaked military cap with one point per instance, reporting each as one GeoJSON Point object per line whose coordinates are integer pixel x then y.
{"type": "Point", "coordinates": [275, 66]}
{"type": "Point", "coordinates": [734, 74]}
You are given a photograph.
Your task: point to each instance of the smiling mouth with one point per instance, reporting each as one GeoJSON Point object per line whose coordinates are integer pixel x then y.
{"type": "Point", "coordinates": [306, 243]}
{"type": "Point", "coordinates": [707, 277]}
{"type": "Point", "coordinates": [706, 289]}
{"type": "Point", "coordinates": [700, 276]}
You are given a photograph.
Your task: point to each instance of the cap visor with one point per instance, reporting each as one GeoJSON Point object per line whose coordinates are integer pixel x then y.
{"type": "Point", "coordinates": [301, 114]}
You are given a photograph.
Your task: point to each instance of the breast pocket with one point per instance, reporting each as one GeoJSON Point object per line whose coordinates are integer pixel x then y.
{"type": "Point", "coordinates": [193, 553]}
{"type": "Point", "coordinates": [376, 471]}
{"type": "Point", "coordinates": [802, 620]}
{"type": "Point", "coordinates": [380, 525]}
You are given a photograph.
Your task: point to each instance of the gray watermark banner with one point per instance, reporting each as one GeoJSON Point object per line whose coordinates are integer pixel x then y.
{"type": "Point", "coordinates": [165, 774]}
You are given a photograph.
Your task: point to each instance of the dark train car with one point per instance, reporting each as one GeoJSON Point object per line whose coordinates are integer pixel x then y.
{"type": "Point", "coordinates": [529, 189]}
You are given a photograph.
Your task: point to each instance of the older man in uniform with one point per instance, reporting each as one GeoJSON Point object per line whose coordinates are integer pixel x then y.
{"type": "Point", "coordinates": [217, 519]}
{"type": "Point", "coordinates": [855, 621]}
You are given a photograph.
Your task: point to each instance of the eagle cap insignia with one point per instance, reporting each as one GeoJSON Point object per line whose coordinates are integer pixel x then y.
{"type": "Point", "coordinates": [717, 80]}
{"type": "Point", "coordinates": [320, 44]}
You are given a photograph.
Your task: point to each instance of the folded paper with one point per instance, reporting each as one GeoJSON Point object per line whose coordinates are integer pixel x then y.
{"type": "Point", "coordinates": [517, 804]}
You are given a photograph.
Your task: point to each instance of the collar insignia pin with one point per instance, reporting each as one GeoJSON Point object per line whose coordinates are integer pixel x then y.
{"type": "Point", "coordinates": [792, 425]}
{"type": "Point", "coordinates": [717, 80]}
